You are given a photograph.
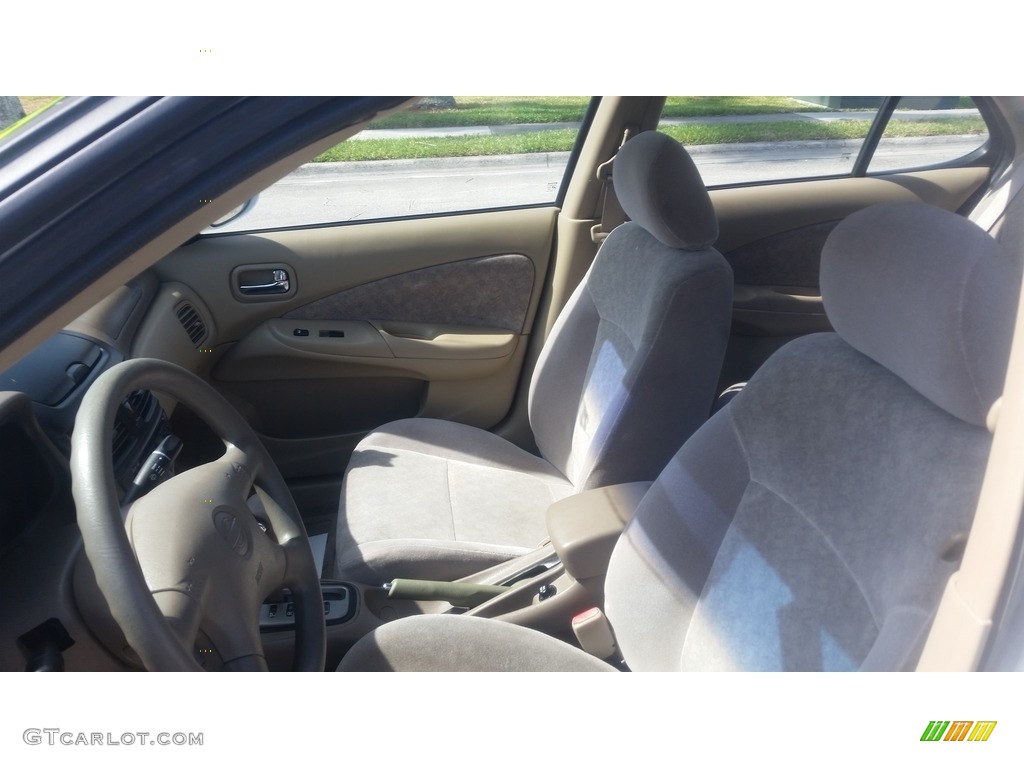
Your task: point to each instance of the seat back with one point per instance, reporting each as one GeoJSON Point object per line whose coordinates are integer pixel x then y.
{"type": "Point", "coordinates": [812, 523]}
{"type": "Point", "coordinates": [630, 368]}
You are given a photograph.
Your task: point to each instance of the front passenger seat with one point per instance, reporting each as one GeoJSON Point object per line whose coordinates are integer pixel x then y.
{"type": "Point", "coordinates": [628, 373]}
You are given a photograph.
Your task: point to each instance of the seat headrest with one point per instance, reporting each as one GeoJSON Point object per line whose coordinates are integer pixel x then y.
{"type": "Point", "coordinates": [660, 189]}
{"type": "Point", "coordinates": [927, 294]}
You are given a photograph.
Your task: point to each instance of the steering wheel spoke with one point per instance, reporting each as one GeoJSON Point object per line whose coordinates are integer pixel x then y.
{"type": "Point", "coordinates": [232, 626]}
{"type": "Point", "coordinates": [182, 613]}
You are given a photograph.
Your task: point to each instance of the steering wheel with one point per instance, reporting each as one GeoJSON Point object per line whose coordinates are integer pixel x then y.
{"type": "Point", "coordinates": [190, 555]}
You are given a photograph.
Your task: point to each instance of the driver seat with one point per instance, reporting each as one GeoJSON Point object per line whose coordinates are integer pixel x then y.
{"type": "Point", "coordinates": [813, 522]}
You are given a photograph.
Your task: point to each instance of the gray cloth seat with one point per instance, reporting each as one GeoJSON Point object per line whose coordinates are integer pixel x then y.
{"type": "Point", "coordinates": [813, 522]}
{"type": "Point", "coordinates": [627, 374]}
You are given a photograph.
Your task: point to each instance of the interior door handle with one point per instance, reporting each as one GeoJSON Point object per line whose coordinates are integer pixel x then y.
{"type": "Point", "coordinates": [280, 283]}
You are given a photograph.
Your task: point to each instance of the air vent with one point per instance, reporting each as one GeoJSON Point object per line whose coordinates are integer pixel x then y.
{"type": "Point", "coordinates": [126, 426]}
{"type": "Point", "coordinates": [192, 322]}
{"type": "Point", "coordinates": [141, 404]}
{"type": "Point", "coordinates": [124, 444]}
{"type": "Point", "coordinates": [137, 419]}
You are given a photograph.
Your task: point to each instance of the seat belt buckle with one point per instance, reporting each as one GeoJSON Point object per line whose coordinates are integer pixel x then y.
{"type": "Point", "coordinates": [594, 633]}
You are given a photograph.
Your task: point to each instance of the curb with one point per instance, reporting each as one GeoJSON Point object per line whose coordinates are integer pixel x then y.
{"type": "Point", "coordinates": [549, 159]}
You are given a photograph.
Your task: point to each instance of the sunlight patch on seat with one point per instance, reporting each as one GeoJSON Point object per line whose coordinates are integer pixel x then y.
{"type": "Point", "coordinates": [833, 657]}
{"type": "Point", "coordinates": [603, 397]}
{"type": "Point", "coordinates": [736, 624]}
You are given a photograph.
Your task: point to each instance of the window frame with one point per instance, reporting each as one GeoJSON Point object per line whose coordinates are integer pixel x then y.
{"type": "Point", "coordinates": [993, 153]}
{"type": "Point", "coordinates": [989, 149]}
{"type": "Point", "coordinates": [586, 124]}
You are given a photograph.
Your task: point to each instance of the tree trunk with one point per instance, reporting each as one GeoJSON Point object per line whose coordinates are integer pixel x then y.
{"type": "Point", "coordinates": [10, 111]}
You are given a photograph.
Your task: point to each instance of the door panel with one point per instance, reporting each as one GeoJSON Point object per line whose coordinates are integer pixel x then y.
{"type": "Point", "coordinates": [772, 236]}
{"type": "Point", "coordinates": [379, 321]}
{"type": "Point", "coordinates": [491, 292]}
{"type": "Point", "coordinates": [753, 213]}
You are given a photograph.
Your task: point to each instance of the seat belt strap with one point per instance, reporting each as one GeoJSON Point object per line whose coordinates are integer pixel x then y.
{"type": "Point", "coordinates": [611, 210]}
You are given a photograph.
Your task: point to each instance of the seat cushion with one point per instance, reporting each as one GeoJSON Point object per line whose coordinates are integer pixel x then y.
{"type": "Point", "coordinates": [464, 644]}
{"type": "Point", "coordinates": [425, 498]}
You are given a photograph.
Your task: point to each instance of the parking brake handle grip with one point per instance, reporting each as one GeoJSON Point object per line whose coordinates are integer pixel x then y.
{"type": "Point", "coordinates": [459, 594]}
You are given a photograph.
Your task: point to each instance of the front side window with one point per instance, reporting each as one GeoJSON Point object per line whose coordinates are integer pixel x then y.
{"type": "Point", "coordinates": [444, 154]}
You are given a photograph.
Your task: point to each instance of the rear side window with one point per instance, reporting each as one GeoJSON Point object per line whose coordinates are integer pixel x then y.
{"type": "Point", "coordinates": [752, 139]}
{"type": "Point", "coordinates": [928, 130]}
{"type": "Point", "coordinates": [444, 154]}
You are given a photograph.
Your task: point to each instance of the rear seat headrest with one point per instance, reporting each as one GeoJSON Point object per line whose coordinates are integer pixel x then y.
{"type": "Point", "coordinates": [660, 189]}
{"type": "Point", "coordinates": [927, 294]}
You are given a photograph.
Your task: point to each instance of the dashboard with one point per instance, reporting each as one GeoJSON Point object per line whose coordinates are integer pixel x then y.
{"type": "Point", "coordinates": [56, 618]}
{"type": "Point", "coordinates": [54, 377]}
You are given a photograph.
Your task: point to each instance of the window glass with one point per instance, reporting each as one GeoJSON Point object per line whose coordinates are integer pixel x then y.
{"type": "Point", "coordinates": [929, 130]}
{"type": "Point", "coordinates": [744, 139]}
{"type": "Point", "coordinates": [749, 139]}
{"type": "Point", "coordinates": [444, 154]}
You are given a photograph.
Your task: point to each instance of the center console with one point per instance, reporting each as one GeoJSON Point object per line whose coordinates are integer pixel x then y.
{"type": "Point", "coordinates": [557, 588]}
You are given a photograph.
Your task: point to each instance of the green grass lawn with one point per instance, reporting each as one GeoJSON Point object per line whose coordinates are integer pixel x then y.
{"type": "Point", "coordinates": [516, 110]}
{"type": "Point", "coordinates": [704, 106]}
{"type": "Point", "coordinates": [454, 146]}
{"type": "Point", "coordinates": [492, 110]}
{"type": "Point", "coordinates": [732, 133]}
{"type": "Point", "coordinates": [505, 110]}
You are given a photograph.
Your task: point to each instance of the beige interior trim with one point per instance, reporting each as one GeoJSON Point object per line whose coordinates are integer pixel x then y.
{"type": "Point", "coordinates": [272, 352]}
{"type": "Point", "coordinates": [964, 618]}
{"type": "Point", "coordinates": [325, 260]}
{"type": "Point", "coordinates": [583, 196]}
{"type": "Point", "coordinates": [150, 253]}
{"type": "Point", "coordinates": [437, 342]}
{"type": "Point", "coordinates": [115, 319]}
{"type": "Point", "coordinates": [585, 527]}
{"type": "Point", "coordinates": [750, 213]}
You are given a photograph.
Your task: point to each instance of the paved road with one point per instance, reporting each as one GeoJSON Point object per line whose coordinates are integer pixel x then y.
{"type": "Point", "coordinates": [326, 192]}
